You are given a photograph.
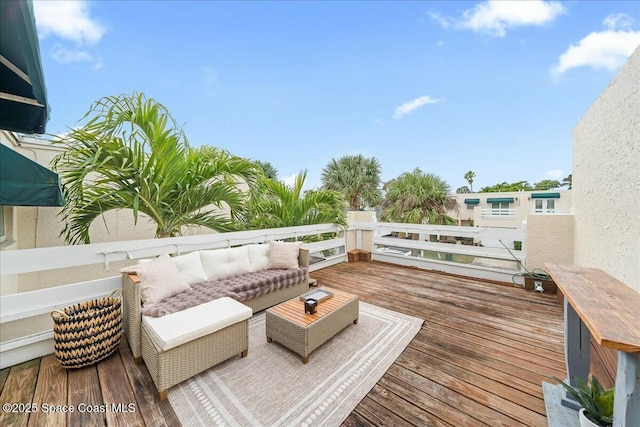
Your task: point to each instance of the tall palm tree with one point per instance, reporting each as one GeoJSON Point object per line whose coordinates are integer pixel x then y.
{"type": "Point", "coordinates": [357, 178]}
{"type": "Point", "coordinates": [132, 155]}
{"type": "Point", "coordinates": [277, 204]}
{"type": "Point", "coordinates": [269, 170]}
{"type": "Point", "coordinates": [417, 198]}
{"type": "Point", "coordinates": [469, 177]}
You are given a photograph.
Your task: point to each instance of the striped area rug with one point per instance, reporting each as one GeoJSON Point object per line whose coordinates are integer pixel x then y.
{"type": "Point", "coordinates": [272, 387]}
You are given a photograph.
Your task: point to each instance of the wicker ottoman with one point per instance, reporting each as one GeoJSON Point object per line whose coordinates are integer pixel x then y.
{"type": "Point", "coordinates": [182, 344]}
{"type": "Point", "coordinates": [289, 325]}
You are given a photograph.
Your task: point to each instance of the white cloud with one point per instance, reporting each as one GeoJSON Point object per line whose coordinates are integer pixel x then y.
{"type": "Point", "coordinates": [66, 56]}
{"type": "Point", "coordinates": [445, 22]}
{"type": "Point", "coordinates": [555, 174]}
{"type": "Point", "coordinates": [69, 20]}
{"type": "Point", "coordinates": [496, 16]}
{"type": "Point", "coordinates": [616, 21]}
{"type": "Point", "coordinates": [607, 49]}
{"type": "Point", "coordinates": [289, 180]}
{"type": "Point", "coordinates": [410, 106]}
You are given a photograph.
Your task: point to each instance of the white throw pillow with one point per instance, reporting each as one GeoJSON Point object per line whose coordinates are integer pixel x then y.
{"type": "Point", "coordinates": [190, 266]}
{"type": "Point", "coordinates": [258, 257]}
{"type": "Point", "coordinates": [284, 254]}
{"type": "Point", "coordinates": [160, 279]}
{"type": "Point", "coordinates": [215, 264]}
{"type": "Point", "coordinates": [238, 261]}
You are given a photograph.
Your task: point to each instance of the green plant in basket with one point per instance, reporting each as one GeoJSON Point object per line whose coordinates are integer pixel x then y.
{"type": "Point", "coordinates": [594, 399]}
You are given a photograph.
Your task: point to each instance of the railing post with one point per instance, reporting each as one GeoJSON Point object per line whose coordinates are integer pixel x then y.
{"type": "Point", "coordinates": [577, 350]}
{"type": "Point", "coordinates": [626, 405]}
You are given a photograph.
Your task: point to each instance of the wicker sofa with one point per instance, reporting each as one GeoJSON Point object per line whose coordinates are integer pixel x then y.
{"type": "Point", "coordinates": [194, 355]}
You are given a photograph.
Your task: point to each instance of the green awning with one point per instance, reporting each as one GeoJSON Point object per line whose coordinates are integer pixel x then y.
{"type": "Point", "coordinates": [23, 103]}
{"type": "Point", "coordinates": [545, 195]}
{"type": "Point", "coordinates": [472, 201]}
{"type": "Point", "coordinates": [500, 200]}
{"type": "Point", "coordinates": [23, 182]}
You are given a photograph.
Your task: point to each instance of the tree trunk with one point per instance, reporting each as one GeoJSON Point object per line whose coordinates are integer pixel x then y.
{"type": "Point", "coordinates": [353, 202]}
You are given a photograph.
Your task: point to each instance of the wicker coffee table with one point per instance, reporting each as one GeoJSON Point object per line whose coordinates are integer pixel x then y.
{"type": "Point", "coordinates": [289, 325]}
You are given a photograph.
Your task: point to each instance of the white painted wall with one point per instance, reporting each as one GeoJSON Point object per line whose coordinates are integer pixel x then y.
{"type": "Point", "coordinates": [606, 179]}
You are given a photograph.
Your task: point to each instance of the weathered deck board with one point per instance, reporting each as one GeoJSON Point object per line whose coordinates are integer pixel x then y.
{"type": "Point", "coordinates": [84, 392]}
{"type": "Point", "coordinates": [99, 394]}
{"type": "Point", "coordinates": [154, 412]}
{"type": "Point", "coordinates": [51, 390]}
{"type": "Point", "coordinates": [479, 359]}
{"type": "Point", "coordinates": [19, 389]}
{"type": "Point", "coordinates": [119, 394]}
{"type": "Point", "coordinates": [483, 350]}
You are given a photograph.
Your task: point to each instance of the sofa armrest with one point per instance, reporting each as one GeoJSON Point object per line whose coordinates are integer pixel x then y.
{"type": "Point", "coordinates": [303, 258]}
{"type": "Point", "coordinates": [132, 317]}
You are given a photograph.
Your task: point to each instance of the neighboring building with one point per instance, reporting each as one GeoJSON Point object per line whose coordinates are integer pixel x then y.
{"type": "Point", "coordinates": [27, 227]}
{"type": "Point", "coordinates": [508, 209]}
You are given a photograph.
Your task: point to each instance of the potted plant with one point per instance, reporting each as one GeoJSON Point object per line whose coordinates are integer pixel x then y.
{"type": "Point", "coordinates": [597, 403]}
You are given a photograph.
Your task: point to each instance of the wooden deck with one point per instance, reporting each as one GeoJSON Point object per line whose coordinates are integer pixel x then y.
{"type": "Point", "coordinates": [479, 359]}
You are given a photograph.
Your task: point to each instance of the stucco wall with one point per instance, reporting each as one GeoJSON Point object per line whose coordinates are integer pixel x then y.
{"type": "Point", "coordinates": [366, 236]}
{"type": "Point", "coordinates": [606, 179]}
{"type": "Point", "coordinates": [549, 239]}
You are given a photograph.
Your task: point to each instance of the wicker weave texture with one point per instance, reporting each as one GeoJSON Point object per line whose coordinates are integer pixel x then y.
{"type": "Point", "coordinates": [276, 297]}
{"type": "Point", "coordinates": [171, 367]}
{"type": "Point", "coordinates": [304, 339]}
{"type": "Point", "coordinates": [87, 332]}
{"type": "Point", "coordinates": [132, 302]}
{"type": "Point", "coordinates": [131, 305]}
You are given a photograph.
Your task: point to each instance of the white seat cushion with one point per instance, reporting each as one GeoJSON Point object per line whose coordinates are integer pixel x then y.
{"type": "Point", "coordinates": [187, 325]}
{"type": "Point", "coordinates": [190, 267]}
{"type": "Point", "coordinates": [222, 263]}
{"type": "Point", "coordinates": [258, 257]}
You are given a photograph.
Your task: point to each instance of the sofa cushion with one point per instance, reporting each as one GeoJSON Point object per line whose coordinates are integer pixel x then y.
{"type": "Point", "coordinates": [258, 257]}
{"type": "Point", "coordinates": [159, 279]}
{"type": "Point", "coordinates": [214, 263]}
{"type": "Point", "coordinates": [187, 325]}
{"type": "Point", "coordinates": [238, 261]}
{"type": "Point", "coordinates": [190, 266]}
{"type": "Point", "coordinates": [283, 254]}
{"type": "Point", "coordinates": [222, 263]}
{"type": "Point", "coordinates": [240, 288]}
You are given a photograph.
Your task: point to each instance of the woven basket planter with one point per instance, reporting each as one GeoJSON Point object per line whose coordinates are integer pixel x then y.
{"type": "Point", "coordinates": [87, 332]}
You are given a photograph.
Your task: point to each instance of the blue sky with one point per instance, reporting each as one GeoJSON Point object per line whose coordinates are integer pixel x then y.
{"type": "Point", "coordinates": [493, 87]}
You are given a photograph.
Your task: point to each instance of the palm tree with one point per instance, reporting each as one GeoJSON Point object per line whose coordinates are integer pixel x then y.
{"type": "Point", "coordinates": [277, 204]}
{"type": "Point", "coordinates": [132, 155]}
{"type": "Point", "coordinates": [469, 177]}
{"type": "Point", "coordinates": [269, 170]}
{"type": "Point", "coordinates": [567, 181]}
{"type": "Point", "coordinates": [417, 197]}
{"type": "Point", "coordinates": [356, 177]}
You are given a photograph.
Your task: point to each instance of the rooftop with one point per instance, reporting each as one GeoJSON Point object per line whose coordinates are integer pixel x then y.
{"type": "Point", "coordinates": [480, 358]}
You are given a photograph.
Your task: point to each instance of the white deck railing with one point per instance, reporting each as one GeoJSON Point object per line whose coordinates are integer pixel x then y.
{"type": "Point", "coordinates": [483, 255]}
{"type": "Point", "coordinates": [25, 305]}
{"type": "Point", "coordinates": [483, 252]}
{"type": "Point", "coordinates": [498, 213]}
